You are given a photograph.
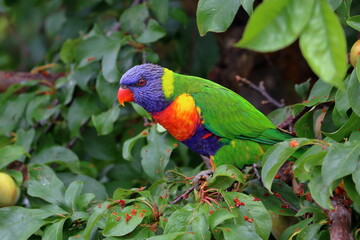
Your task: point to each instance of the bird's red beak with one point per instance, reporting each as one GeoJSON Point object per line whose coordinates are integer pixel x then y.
{"type": "Point", "coordinates": [125, 95]}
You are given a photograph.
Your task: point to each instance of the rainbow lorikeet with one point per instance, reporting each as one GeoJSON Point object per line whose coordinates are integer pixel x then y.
{"type": "Point", "coordinates": [207, 117]}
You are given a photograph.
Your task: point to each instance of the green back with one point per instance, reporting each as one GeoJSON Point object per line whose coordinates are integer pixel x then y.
{"type": "Point", "coordinates": [226, 113]}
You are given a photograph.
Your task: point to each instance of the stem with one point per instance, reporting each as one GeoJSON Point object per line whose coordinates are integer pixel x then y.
{"type": "Point", "coordinates": [260, 89]}
{"type": "Point", "coordinates": [183, 196]}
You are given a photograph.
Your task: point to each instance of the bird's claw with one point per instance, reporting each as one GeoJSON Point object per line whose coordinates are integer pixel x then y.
{"type": "Point", "coordinates": [202, 178]}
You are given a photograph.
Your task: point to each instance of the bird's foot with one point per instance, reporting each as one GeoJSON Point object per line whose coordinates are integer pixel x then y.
{"type": "Point", "coordinates": [202, 178]}
{"type": "Point", "coordinates": [206, 195]}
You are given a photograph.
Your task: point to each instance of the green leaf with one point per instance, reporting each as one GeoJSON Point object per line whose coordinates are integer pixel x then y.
{"type": "Point", "coordinates": [334, 4]}
{"type": "Point", "coordinates": [252, 209]}
{"type": "Point", "coordinates": [95, 47]}
{"type": "Point", "coordinates": [133, 18]}
{"type": "Point", "coordinates": [65, 90]}
{"type": "Point", "coordinates": [215, 16]}
{"type": "Point", "coordinates": [303, 88]}
{"type": "Point", "coordinates": [309, 232]}
{"type": "Point", "coordinates": [40, 109]}
{"type": "Point", "coordinates": [96, 215]}
{"type": "Point", "coordinates": [320, 191]}
{"type": "Point", "coordinates": [67, 51]}
{"type": "Point", "coordinates": [109, 65]}
{"type": "Point", "coordinates": [57, 154]}
{"type": "Point", "coordinates": [54, 22]}
{"type": "Point", "coordinates": [354, 22]}
{"type": "Point", "coordinates": [247, 5]}
{"type": "Point", "coordinates": [170, 236]}
{"type": "Point", "coordinates": [72, 194]}
{"type": "Point", "coordinates": [156, 154]}
{"type": "Point", "coordinates": [306, 162]}
{"type": "Point", "coordinates": [235, 231]}
{"type": "Point", "coordinates": [24, 138]}
{"type": "Point", "coordinates": [45, 184]}
{"type": "Point", "coordinates": [14, 109]}
{"type": "Point", "coordinates": [104, 122]}
{"type": "Point", "coordinates": [141, 111]}
{"type": "Point", "coordinates": [270, 201]}
{"type": "Point", "coordinates": [356, 179]}
{"type": "Point", "coordinates": [323, 45]}
{"type": "Point", "coordinates": [357, 69]}
{"type": "Point", "coordinates": [54, 231]}
{"type": "Point", "coordinates": [161, 9]}
{"type": "Point", "coordinates": [274, 158]}
{"type": "Point", "coordinates": [276, 24]}
{"type": "Point", "coordinates": [91, 185]}
{"type": "Point", "coordinates": [152, 33]}
{"type": "Point", "coordinates": [305, 126]}
{"type": "Point", "coordinates": [10, 153]}
{"type": "Point", "coordinates": [219, 216]}
{"type": "Point", "coordinates": [290, 231]}
{"type": "Point", "coordinates": [342, 104]}
{"type": "Point", "coordinates": [319, 93]}
{"type": "Point", "coordinates": [224, 176]}
{"type": "Point", "coordinates": [129, 144]}
{"type": "Point", "coordinates": [20, 223]}
{"type": "Point", "coordinates": [350, 189]}
{"type": "Point", "coordinates": [106, 91]}
{"type": "Point", "coordinates": [80, 111]}
{"type": "Point", "coordinates": [100, 147]}
{"type": "Point", "coordinates": [354, 93]}
{"type": "Point", "coordinates": [189, 217]}
{"type": "Point", "coordinates": [122, 226]}
{"type": "Point", "coordinates": [353, 123]}
{"type": "Point", "coordinates": [82, 75]}
{"type": "Point", "coordinates": [279, 115]}
{"type": "Point", "coordinates": [340, 161]}
{"type": "Point", "coordinates": [16, 87]}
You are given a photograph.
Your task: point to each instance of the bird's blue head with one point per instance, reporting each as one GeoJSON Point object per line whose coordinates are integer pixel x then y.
{"type": "Point", "coordinates": [142, 84]}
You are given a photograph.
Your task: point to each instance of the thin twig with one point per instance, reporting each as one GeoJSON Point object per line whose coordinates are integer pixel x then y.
{"type": "Point", "coordinates": [185, 195]}
{"type": "Point", "coordinates": [290, 120]}
{"type": "Point", "coordinates": [260, 89]}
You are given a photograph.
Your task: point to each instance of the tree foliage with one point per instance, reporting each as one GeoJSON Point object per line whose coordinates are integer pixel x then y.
{"type": "Point", "coordinates": [90, 169]}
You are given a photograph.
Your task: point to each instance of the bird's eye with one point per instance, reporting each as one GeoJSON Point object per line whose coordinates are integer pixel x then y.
{"type": "Point", "coordinates": [141, 82]}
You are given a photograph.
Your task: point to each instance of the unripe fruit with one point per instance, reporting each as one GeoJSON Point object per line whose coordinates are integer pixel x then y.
{"type": "Point", "coordinates": [9, 192]}
{"type": "Point", "coordinates": [355, 53]}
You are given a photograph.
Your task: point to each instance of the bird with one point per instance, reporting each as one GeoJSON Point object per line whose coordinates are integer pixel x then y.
{"type": "Point", "coordinates": [210, 119]}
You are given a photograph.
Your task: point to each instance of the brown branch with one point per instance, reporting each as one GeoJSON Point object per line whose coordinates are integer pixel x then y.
{"type": "Point", "coordinates": [185, 195]}
{"type": "Point", "coordinates": [260, 89]}
{"type": "Point", "coordinates": [340, 221]}
{"type": "Point", "coordinates": [290, 120]}
{"type": "Point", "coordinates": [9, 78]}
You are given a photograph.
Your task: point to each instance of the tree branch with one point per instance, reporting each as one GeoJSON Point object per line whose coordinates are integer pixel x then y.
{"type": "Point", "coordinates": [340, 221]}
{"type": "Point", "coordinates": [290, 120]}
{"type": "Point", "coordinates": [9, 78]}
{"type": "Point", "coordinates": [260, 89]}
{"type": "Point", "coordinates": [185, 195]}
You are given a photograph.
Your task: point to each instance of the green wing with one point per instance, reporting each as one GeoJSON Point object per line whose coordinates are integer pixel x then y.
{"type": "Point", "coordinates": [227, 114]}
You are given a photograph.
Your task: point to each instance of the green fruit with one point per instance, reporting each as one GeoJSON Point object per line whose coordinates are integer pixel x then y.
{"type": "Point", "coordinates": [9, 191]}
{"type": "Point", "coordinates": [355, 53]}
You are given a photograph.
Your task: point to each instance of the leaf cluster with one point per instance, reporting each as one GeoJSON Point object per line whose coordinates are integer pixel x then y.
{"type": "Point", "coordinates": [94, 170]}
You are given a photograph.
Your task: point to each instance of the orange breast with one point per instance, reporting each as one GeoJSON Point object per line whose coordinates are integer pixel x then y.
{"type": "Point", "coordinates": [181, 118]}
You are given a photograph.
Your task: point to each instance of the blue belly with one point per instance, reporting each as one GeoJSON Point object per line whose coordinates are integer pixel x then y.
{"type": "Point", "coordinates": [204, 143]}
